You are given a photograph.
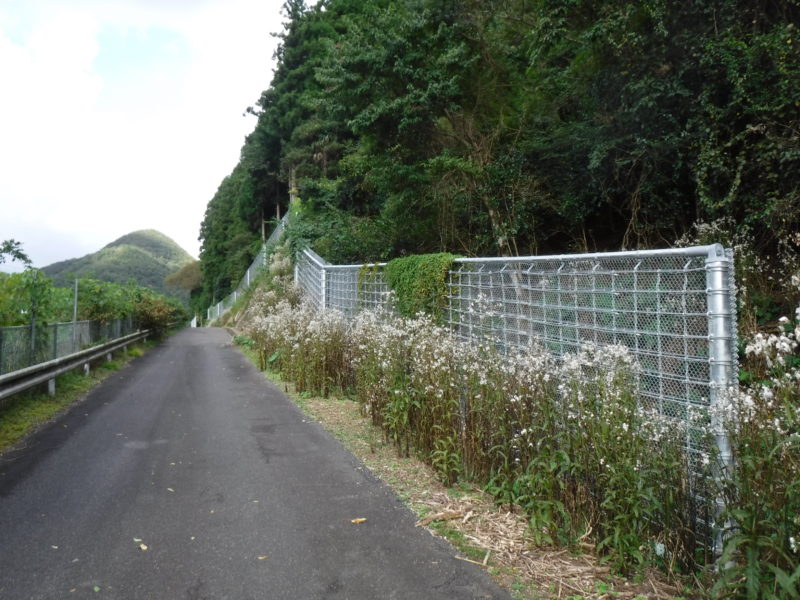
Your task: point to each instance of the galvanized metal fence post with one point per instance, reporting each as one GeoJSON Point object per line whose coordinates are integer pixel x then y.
{"type": "Point", "coordinates": [721, 348]}
{"type": "Point", "coordinates": [323, 289]}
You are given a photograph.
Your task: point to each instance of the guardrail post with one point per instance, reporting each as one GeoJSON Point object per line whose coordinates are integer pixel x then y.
{"type": "Point", "coordinates": [51, 386]}
{"type": "Point", "coordinates": [721, 346]}
{"type": "Point", "coordinates": [86, 368]}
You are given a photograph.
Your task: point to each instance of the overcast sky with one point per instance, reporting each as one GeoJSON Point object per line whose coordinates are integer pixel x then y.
{"type": "Point", "coordinates": [118, 115]}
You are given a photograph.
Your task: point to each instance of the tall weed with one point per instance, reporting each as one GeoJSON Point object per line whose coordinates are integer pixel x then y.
{"type": "Point", "coordinates": [761, 493]}
{"type": "Point", "coordinates": [567, 441]}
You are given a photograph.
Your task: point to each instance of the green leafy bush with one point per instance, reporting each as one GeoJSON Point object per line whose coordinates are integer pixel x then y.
{"type": "Point", "coordinates": [420, 283]}
{"type": "Point", "coordinates": [158, 313]}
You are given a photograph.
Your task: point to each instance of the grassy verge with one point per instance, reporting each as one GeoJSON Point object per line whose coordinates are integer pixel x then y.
{"type": "Point", "coordinates": [24, 413]}
{"type": "Point", "coordinates": [480, 532]}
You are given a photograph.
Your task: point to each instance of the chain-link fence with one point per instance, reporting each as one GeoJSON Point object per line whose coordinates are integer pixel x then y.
{"type": "Point", "coordinates": [348, 288]}
{"type": "Point", "coordinates": [662, 305]}
{"type": "Point", "coordinates": [259, 263]}
{"type": "Point", "coordinates": [674, 310]}
{"type": "Point", "coordinates": [22, 346]}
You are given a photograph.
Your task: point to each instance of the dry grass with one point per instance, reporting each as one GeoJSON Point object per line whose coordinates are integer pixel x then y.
{"type": "Point", "coordinates": [482, 532]}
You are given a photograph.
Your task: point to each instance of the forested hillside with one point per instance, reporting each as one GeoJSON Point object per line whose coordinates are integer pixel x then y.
{"type": "Point", "coordinates": [502, 127]}
{"type": "Point", "coordinates": [147, 257]}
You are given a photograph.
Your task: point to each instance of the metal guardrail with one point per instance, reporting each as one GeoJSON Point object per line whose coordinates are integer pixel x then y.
{"type": "Point", "coordinates": [46, 372]}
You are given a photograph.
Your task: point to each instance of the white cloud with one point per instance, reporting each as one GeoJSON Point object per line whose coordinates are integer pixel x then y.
{"type": "Point", "coordinates": [123, 115]}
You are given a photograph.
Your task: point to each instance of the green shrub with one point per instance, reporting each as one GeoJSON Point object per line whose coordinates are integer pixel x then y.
{"type": "Point", "coordinates": [420, 283]}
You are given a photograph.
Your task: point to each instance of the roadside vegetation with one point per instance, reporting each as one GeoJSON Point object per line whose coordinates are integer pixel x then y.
{"type": "Point", "coordinates": [506, 127]}
{"type": "Point", "coordinates": [480, 531]}
{"type": "Point", "coordinates": [31, 294]}
{"type": "Point", "coordinates": [563, 444]}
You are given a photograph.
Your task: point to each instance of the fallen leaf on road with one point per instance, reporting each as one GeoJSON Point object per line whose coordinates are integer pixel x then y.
{"type": "Point", "coordinates": [170, 490]}
{"type": "Point", "coordinates": [96, 588]}
{"type": "Point", "coordinates": [357, 521]}
{"type": "Point", "coordinates": [263, 557]}
{"type": "Point", "coordinates": [54, 547]}
{"type": "Point", "coordinates": [137, 540]}
{"type": "Point", "coordinates": [142, 547]}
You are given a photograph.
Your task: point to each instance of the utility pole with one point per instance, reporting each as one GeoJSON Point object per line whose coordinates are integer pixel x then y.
{"type": "Point", "coordinates": [293, 186]}
{"type": "Point", "coordinates": [34, 294]}
{"type": "Point", "coordinates": [75, 317]}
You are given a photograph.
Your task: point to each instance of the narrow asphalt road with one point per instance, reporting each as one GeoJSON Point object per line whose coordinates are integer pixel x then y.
{"type": "Point", "coordinates": [188, 475]}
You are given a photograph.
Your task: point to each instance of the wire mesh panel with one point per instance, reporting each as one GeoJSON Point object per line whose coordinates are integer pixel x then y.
{"type": "Point", "coordinates": [352, 288]}
{"type": "Point", "coordinates": [373, 291]}
{"type": "Point", "coordinates": [55, 340]}
{"type": "Point", "coordinates": [654, 304]}
{"type": "Point", "coordinates": [674, 310]}
{"type": "Point", "coordinates": [15, 344]}
{"type": "Point", "coordinates": [310, 277]}
{"type": "Point", "coordinates": [341, 289]}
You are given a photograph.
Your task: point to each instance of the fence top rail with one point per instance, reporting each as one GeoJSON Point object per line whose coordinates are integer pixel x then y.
{"type": "Point", "coordinates": [28, 326]}
{"type": "Point", "coordinates": [316, 258]}
{"type": "Point", "coordinates": [711, 251]}
{"type": "Point", "coordinates": [324, 264]}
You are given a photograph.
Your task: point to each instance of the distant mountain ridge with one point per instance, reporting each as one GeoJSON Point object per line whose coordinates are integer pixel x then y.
{"type": "Point", "coordinates": [146, 256]}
